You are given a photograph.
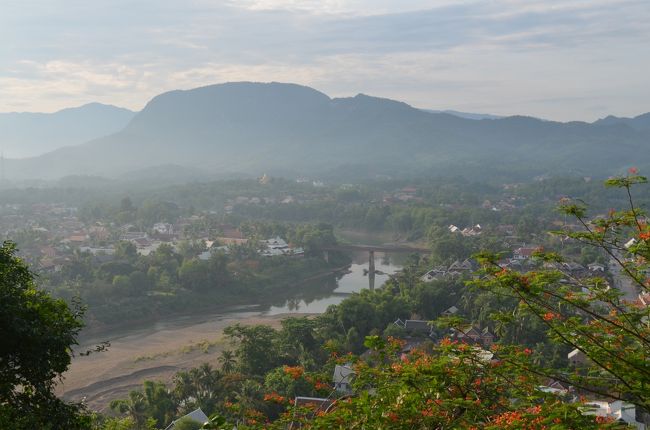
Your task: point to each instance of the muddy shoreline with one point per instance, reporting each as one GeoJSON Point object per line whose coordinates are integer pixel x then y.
{"type": "Point", "coordinates": [157, 349]}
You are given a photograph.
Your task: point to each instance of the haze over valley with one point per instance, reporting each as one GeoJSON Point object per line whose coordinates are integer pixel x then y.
{"type": "Point", "coordinates": [335, 214]}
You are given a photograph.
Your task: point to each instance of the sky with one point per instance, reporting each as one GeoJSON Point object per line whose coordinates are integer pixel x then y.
{"type": "Point", "coordinates": [562, 60]}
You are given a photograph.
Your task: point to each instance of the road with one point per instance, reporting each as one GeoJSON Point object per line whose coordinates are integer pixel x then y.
{"type": "Point", "coordinates": [622, 281]}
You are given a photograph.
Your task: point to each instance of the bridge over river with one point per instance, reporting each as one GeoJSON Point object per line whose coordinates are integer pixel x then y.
{"type": "Point", "coordinates": [371, 249]}
{"type": "Point", "coordinates": [393, 248]}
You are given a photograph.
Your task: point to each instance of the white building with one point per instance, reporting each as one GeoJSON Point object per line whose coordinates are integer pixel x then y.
{"type": "Point", "coordinates": [163, 228]}
{"type": "Point", "coordinates": [196, 415]}
{"type": "Point", "coordinates": [618, 410]}
{"type": "Point", "coordinates": [342, 378]}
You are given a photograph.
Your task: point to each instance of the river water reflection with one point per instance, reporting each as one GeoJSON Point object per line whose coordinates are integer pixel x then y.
{"type": "Point", "coordinates": [321, 293]}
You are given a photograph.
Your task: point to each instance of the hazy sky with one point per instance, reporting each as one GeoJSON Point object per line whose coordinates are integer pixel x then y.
{"type": "Point", "coordinates": [563, 60]}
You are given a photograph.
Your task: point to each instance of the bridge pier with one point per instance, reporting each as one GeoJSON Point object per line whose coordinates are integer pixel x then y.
{"type": "Point", "coordinates": [371, 269]}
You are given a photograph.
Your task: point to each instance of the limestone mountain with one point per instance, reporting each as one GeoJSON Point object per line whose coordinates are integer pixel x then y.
{"type": "Point", "coordinates": [254, 128]}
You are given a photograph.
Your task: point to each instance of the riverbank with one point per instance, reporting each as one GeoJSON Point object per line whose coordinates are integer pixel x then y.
{"type": "Point", "coordinates": [157, 349]}
{"type": "Point", "coordinates": [96, 332]}
{"type": "Point", "coordinates": [156, 353]}
{"type": "Point", "coordinates": [161, 348]}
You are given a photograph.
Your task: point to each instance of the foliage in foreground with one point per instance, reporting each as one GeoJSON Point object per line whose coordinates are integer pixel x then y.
{"type": "Point", "coordinates": [607, 325]}
{"type": "Point", "coordinates": [37, 334]}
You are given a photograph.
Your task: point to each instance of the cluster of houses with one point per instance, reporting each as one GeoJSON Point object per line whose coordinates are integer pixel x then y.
{"type": "Point", "coordinates": [277, 246]}
{"type": "Point", "coordinates": [403, 195]}
{"type": "Point", "coordinates": [454, 270]}
{"type": "Point", "coordinates": [58, 232]}
{"type": "Point", "coordinates": [230, 205]}
{"type": "Point", "coordinates": [506, 204]}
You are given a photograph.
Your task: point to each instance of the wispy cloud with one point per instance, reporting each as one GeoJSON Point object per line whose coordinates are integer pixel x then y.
{"type": "Point", "coordinates": [505, 56]}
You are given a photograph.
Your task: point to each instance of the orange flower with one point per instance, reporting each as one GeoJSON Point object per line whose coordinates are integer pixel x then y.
{"type": "Point", "coordinates": [549, 316]}
{"type": "Point", "coordinates": [274, 397]}
{"type": "Point", "coordinates": [320, 385]}
{"type": "Point", "coordinates": [445, 342]}
{"type": "Point", "coordinates": [604, 420]}
{"type": "Point", "coordinates": [644, 236]}
{"type": "Point", "coordinates": [294, 371]}
{"type": "Point", "coordinates": [398, 343]}
{"type": "Point", "coordinates": [535, 410]}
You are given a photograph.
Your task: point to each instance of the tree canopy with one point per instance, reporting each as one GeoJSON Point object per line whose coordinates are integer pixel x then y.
{"type": "Point", "coordinates": [38, 333]}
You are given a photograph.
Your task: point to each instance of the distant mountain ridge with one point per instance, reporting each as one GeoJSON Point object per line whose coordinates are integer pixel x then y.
{"type": "Point", "coordinates": [466, 115]}
{"type": "Point", "coordinates": [256, 128]}
{"type": "Point", "coordinates": [28, 134]}
{"type": "Point", "coordinates": [640, 122]}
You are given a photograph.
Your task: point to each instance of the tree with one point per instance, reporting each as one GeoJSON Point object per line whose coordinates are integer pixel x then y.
{"type": "Point", "coordinates": [38, 333]}
{"type": "Point", "coordinates": [227, 361]}
{"type": "Point", "coordinates": [160, 402]}
{"type": "Point", "coordinates": [193, 275]}
{"type": "Point", "coordinates": [198, 387]}
{"type": "Point", "coordinates": [187, 424]}
{"type": "Point", "coordinates": [126, 251]}
{"type": "Point", "coordinates": [599, 317]}
{"type": "Point", "coordinates": [135, 407]}
{"type": "Point", "coordinates": [455, 386]}
{"type": "Point", "coordinates": [256, 347]}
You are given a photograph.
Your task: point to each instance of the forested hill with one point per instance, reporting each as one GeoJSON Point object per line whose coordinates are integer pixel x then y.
{"type": "Point", "coordinates": [28, 134]}
{"type": "Point", "coordinates": [290, 129]}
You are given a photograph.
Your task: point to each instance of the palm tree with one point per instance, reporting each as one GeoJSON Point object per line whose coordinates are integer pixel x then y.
{"type": "Point", "coordinates": [184, 390]}
{"type": "Point", "coordinates": [135, 407]}
{"type": "Point", "coordinates": [227, 361]}
{"type": "Point", "coordinates": [206, 383]}
{"type": "Point", "coordinates": [160, 404]}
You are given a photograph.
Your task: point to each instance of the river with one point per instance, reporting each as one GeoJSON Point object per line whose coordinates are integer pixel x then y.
{"type": "Point", "coordinates": [160, 350]}
{"type": "Point", "coordinates": [333, 290]}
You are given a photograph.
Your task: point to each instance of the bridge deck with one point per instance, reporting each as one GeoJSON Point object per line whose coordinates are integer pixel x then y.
{"type": "Point", "coordinates": [379, 248]}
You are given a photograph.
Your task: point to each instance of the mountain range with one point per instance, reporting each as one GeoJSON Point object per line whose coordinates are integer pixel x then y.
{"type": "Point", "coordinates": [288, 129]}
{"type": "Point", "coordinates": [27, 134]}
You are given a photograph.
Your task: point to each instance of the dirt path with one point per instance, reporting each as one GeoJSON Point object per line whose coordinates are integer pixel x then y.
{"type": "Point", "coordinates": [155, 353]}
